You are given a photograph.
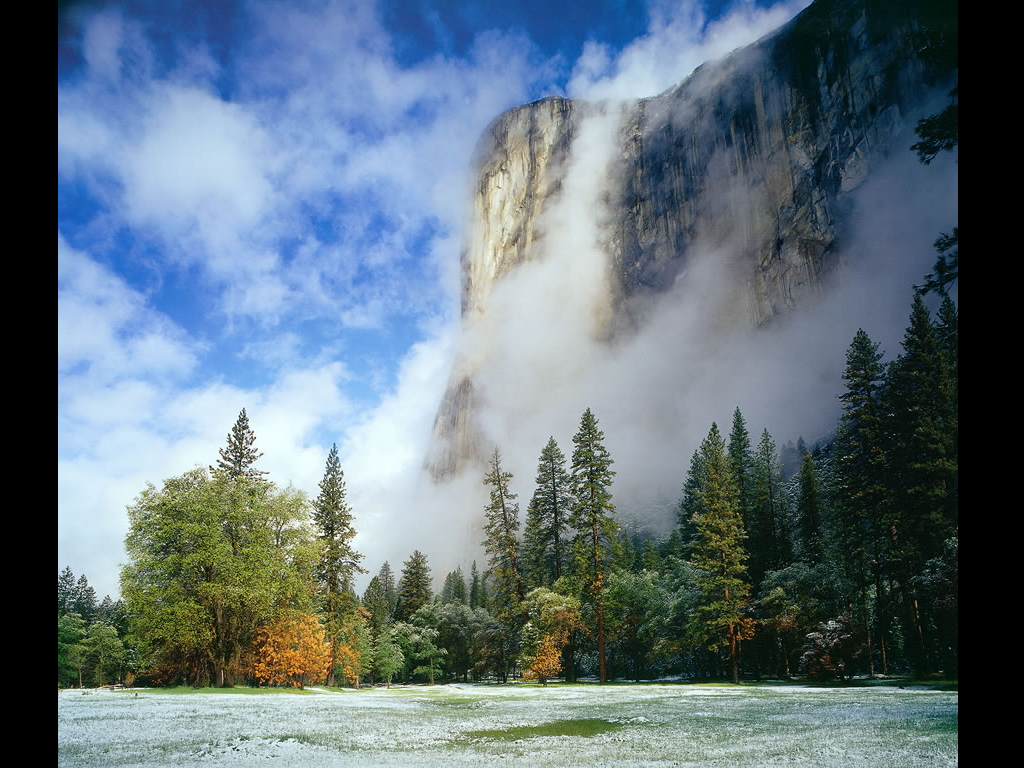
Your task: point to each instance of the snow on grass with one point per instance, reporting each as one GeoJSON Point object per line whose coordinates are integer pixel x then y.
{"type": "Point", "coordinates": [480, 725]}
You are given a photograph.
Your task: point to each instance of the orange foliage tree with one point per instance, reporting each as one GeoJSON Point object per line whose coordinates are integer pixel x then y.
{"type": "Point", "coordinates": [547, 661]}
{"type": "Point", "coordinates": [293, 651]}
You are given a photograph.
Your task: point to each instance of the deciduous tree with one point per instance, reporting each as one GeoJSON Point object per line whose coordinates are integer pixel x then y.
{"type": "Point", "coordinates": [292, 652]}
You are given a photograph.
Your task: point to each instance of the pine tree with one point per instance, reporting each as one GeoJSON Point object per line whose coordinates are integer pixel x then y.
{"type": "Point", "coordinates": [741, 461]}
{"type": "Point", "coordinates": [861, 458]}
{"type": "Point", "coordinates": [544, 541]}
{"type": "Point", "coordinates": [85, 604]}
{"type": "Point", "coordinates": [719, 554]}
{"type": "Point", "coordinates": [501, 528]}
{"type": "Point", "coordinates": [592, 518]}
{"type": "Point", "coordinates": [65, 592]}
{"type": "Point", "coordinates": [862, 514]}
{"type": "Point", "coordinates": [238, 458]}
{"type": "Point", "coordinates": [387, 581]}
{"type": "Point", "coordinates": [339, 562]}
{"type": "Point", "coordinates": [454, 588]}
{"type": "Point", "coordinates": [689, 505]}
{"type": "Point", "coordinates": [377, 605]}
{"type": "Point", "coordinates": [475, 598]}
{"type": "Point", "coordinates": [923, 465]}
{"type": "Point", "coordinates": [920, 399]}
{"type": "Point", "coordinates": [414, 588]}
{"type": "Point", "coordinates": [769, 533]}
{"type": "Point", "coordinates": [808, 513]}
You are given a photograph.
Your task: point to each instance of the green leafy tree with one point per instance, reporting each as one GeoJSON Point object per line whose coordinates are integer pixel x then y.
{"type": "Point", "coordinates": [238, 458]}
{"type": "Point", "coordinates": [414, 588]}
{"type": "Point", "coordinates": [719, 554]}
{"type": "Point", "coordinates": [204, 572]}
{"type": "Point", "coordinates": [339, 561]}
{"type": "Point", "coordinates": [105, 653]}
{"type": "Point", "coordinates": [637, 607]}
{"type": "Point", "coordinates": [70, 635]}
{"type": "Point", "coordinates": [379, 611]}
{"type": "Point", "coordinates": [593, 520]}
{"type": "Point", "coordinates": [419, 644]}
{"type": "Point", "coordinates": [388, 658]}
{"type": "Point", "coordinates": [552, 619]}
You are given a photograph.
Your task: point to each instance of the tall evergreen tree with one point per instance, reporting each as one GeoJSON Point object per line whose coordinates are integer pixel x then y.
{"type": "Point", "coordinates": [387, 581]}
{"type": "Point", "coordinates": [808, 513]}
{"type": "Point", "coordinates": [593, 519]}
{"type": "Point", "coordinates": [65, 592]}
{"type": "Point", "coordinates": [923, 466]}
{"type": "Point", "coordinates": [719, 554]}
{"type": "Point", "coordinates": [339, 562]}
{"type": "Point", "coordinates": [86, 604]}
{"type": "Point", "coordinates": [920, 399]}
{"type": "Point", "coordinates": [501, 528]}
{"type": "Point", "coordinates": [238, 458]}
{"type": "Point", "coordinates": [770, 546]}
{"type": "Point", "coordinates": [377, 605]}
{"type": "Point", "coordinates": [741, 460]}
{"type": "Point", "coordinates": [475, 598]}
{"type": "Point", "coordinates": [454, 588]}
{"type": "Point", "coordinates": [414, 588]}
{"type": "Point", "coordinates": [544, 542]}
{"type": "Point", "coordinates": [689, 505]}
{"type": "Point", "coordinates": [862, 515]}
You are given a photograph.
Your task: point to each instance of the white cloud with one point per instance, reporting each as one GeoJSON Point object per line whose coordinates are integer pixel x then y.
{"type": "Point", "coordinates": [104, 328]}
{"type": "Point", "coordinates": [680, 37]}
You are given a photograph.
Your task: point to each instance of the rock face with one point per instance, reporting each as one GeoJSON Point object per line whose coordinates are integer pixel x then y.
{"type": "Point", "coordinates": [751, 156]}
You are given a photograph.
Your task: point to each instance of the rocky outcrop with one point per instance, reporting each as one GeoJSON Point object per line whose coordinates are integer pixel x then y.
{"type": "Point", "coordinates": [751, 156]}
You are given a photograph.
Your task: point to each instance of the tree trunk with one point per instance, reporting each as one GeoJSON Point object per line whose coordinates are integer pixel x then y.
{"type": "Point", "coordinates": [734, 662]}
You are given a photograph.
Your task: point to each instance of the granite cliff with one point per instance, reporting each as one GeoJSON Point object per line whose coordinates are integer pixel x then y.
{"type": "Point", "coordinates": [751, 157]}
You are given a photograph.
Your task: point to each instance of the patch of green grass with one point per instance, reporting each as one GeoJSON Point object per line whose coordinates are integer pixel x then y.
{"type": "Point", "coordinates": [184, 689]}
{"type": "Point", "coordinates": [582, 727]}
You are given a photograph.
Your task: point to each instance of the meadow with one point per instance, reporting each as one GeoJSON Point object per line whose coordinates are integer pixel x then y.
{"type": "Point", "coordinates": [514, 725]}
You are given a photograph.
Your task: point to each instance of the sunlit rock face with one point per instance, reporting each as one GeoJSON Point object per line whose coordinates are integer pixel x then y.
{"type": "Point", "coordinates": [750, 158]}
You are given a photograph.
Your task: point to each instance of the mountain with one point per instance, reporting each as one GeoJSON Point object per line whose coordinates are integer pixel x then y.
{"type": "Point", "coordinates": [586, 216]}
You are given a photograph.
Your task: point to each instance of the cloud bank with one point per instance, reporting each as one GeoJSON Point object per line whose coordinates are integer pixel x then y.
{"type": "Point", "coordinates": [264, 210]}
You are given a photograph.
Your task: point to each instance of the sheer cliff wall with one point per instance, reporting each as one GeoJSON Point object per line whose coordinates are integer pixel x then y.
{"type": "Point", "coordinates": [750, 157]}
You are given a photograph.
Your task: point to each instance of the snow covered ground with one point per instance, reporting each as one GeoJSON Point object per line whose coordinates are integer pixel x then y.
{"type": "Point", "coordinates": [469, 725]}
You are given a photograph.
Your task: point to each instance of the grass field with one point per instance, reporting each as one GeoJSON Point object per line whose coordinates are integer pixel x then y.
{"type": "Point", "coordinates": [484, 725]}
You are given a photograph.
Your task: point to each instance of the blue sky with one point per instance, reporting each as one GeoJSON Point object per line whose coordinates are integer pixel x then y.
{"type": "Point", "coordinates": [260, 205]}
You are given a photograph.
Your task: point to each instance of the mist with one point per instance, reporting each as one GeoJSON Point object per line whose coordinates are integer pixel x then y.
{"type": "Point", "coordinates": [544, 347]}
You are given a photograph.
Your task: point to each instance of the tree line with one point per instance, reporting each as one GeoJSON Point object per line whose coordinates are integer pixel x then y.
{"type": "Point", "coordinates": [829, 561]}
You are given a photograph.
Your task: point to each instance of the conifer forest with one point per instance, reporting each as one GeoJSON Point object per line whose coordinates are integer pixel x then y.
{"type": "Point", "coordinates": [823, 561]}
